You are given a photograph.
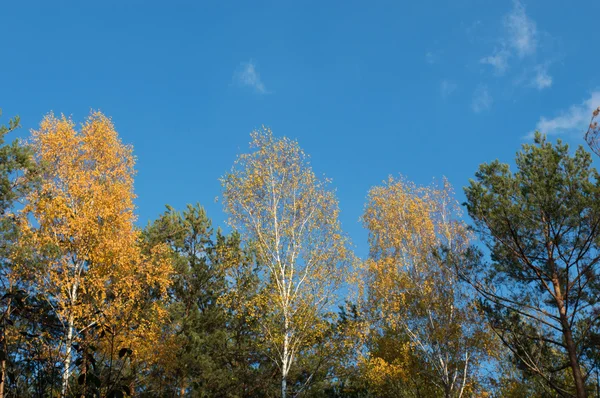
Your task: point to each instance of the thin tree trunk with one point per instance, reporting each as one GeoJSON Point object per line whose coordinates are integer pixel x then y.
{"type": "Point", "coordinates": [464, 383]}
{"type": "Point", "coordinates": [447, 390]}
{"type": "Point", "coordinates": [285, 365]}
{"type": "Point", "coordinates": [132, 382]}
{"type": "Point", "coordinates": [570, 343]}
{"type": "Point", "coordinates": [67, 369]}
{"type": "Point", "coordinates": [3, 377]}
{"type": "Point", "coordinates": [69, 342]}
{"type": "Point", "coordinates": [5, 347]}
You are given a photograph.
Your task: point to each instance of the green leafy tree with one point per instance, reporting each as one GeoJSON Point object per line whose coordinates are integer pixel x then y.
{"type": "Point", "coordinates": [23, 315]}
{"type": "Point", "coordinates": [211, 344]}
{"type": "Point", "coordinates": [541, 225]}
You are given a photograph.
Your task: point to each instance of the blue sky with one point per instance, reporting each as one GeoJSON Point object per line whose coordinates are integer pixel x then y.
{"type": "Point", "coordinates": [424, 89]}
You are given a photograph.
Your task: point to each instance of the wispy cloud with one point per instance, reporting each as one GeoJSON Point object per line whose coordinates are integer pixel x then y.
{"type": "Point", "coordinates": [447, 87]}
{"type": "Point", "coordinates": [519, 40]}
{"type": "Point", "coordinates": [542, 79]}
{"type": "Point", "coordinates": [522, 30]}
{"type": "Point", "coordinates": [482, 100]}
{"type": "Point", "coordinates": [575, 119]}
{"type": "Point", "coordinates": [499, 61]}
{"type": "Point", "coordinates": [247, 75]}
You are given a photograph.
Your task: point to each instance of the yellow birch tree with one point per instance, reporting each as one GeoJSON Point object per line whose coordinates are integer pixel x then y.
{"type": "Point", "coordinates": [274, 199]}
{"type": "Point", "coordinates": [416, 237]}
{"type": "Point", "coordinates": [95, 273]}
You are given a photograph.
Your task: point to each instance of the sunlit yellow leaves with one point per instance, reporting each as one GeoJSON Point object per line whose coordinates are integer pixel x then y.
{"type": "Point", "coordinates": [275, 200]}
{"type": "Point", "coordinates": [380, 372]}
{"type": "Point", "coordinates": [412, 291]}
{"type": "Point", "coordinates": [96, 272]}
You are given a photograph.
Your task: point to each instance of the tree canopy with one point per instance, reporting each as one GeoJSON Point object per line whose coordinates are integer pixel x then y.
{"type": "Point", "coordinates": [275, 303]}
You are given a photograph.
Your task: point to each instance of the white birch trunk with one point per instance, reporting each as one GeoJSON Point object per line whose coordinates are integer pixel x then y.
{"type": "Point", "coordinates": [68, 343]}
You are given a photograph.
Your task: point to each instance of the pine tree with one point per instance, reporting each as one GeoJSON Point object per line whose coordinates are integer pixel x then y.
{"type": "Point", "coordinates": [541, 224]}
{"type": "Point", "coordinates": [210, 347]}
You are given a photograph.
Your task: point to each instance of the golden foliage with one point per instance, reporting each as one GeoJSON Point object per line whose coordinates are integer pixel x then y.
{"type": "Point", "coordinates": [275, 200]}
{"type": "Point", "coordinates": [412, 290]}
{"type": "Point", "coordinates": [82, 224]}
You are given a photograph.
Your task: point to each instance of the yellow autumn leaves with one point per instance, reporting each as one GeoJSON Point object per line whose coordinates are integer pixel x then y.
{"type": "Point", "coordinates": [275, 200]}
{"type": "Point", "coordinates": [81, 220]}
{"type": "Point", "coordinates": [416, 327]}
{"type": "Point", "coordinates": [422, 324]}
{"type": "Point", "coordinates": [418, 323]}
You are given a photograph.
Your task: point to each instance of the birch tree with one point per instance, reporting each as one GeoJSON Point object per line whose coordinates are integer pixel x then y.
{"type": "Point", "coordinates": [425, 329]}
{"type": "Point", "coordinates": [274, 199]}
{"type": "Point", "coordinates": [83, 227]}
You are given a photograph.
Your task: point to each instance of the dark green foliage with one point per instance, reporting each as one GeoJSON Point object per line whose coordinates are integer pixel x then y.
{"type": "Point", "coordinates": [27, 321]}
{"type": "Point", "coordinates": [218, 353]}
{"type": "Point", "coordinates": [541, 225]}
{"type": "Point", "coordinates": [33, 328]}
{"type": "Point", "coordinates": [540, 292]}
{"type": "Point", "coordinates": [221, 350]}
{"type": "Point", "coordinates": [15, 164]}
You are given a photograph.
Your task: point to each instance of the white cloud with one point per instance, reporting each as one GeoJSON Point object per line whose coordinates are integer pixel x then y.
{"type": "Point", "coordinates": [520, 38]}
{"type": "Point", "coordinates": [447, 87]}
{"type": "Point", "coordinates": [499, 61]}
{"type": "Point", "coordinates": [573, 120]}
{"type": "Point", "coordinates": [522, 30]}
{"type": "Point", "coordinates": [482, 100]}
{"type": "Point", "coordinates": [542, 79]}
{"type": "Point", "coordinates": [247, 75]}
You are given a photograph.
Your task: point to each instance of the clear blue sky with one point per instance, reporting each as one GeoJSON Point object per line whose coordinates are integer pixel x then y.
{"type": "Point", "coordinates": [426, 89]}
